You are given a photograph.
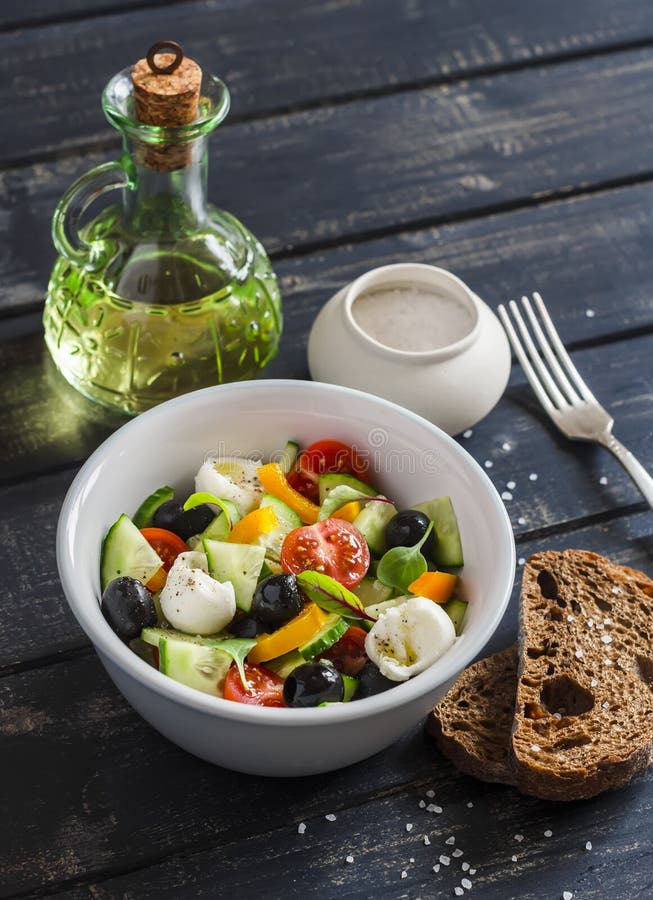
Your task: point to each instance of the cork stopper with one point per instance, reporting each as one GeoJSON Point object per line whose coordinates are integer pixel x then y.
{"type": "Point", "coordinates": [166, 93]}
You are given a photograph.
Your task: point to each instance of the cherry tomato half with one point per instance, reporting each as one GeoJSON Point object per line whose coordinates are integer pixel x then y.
{"type": "Point", "coordinates": [166, 543]}
{"type": "Point", "coordinates": [265, 686]}
{"type": "Point", "coordinates": [348, 654]}
{"type": "Point", "coordinates": [333, 547]}
{"type": "Point", "coordinates": [324, 458]}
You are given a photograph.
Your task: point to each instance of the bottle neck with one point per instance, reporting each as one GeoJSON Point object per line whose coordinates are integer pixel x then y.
{"type": "Point", "coordinates": [169, 195]}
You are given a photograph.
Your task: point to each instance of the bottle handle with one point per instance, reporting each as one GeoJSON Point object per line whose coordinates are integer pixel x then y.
{"type": "Point", "coordinates": [66, 233]}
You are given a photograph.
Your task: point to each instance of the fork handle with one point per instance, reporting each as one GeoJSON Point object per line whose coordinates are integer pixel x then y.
{"type": "Point", "coordinates": [634, 468]}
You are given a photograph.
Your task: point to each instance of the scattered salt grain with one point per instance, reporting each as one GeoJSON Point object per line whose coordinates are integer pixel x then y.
{"type": "Point", "coordinates": [506, 446]}
{"type": "Point", "coordinates": [590, 313]}
{"type": "Point", "coordinates": [422, 804]}
{"type": "Point", "coordinates": [600, 626]}
{"type": "Point", "coordinates": [409, 826]}
{"type": "Point", "coordinates": [412, 859]}
{"type": "Point", "coordinates": [301, 828]}
{"type": "Point", "coordinates": [532, 476]}
{"type": "Point", "coordinates": [450, 840]}
{"type": "Point", "coordinates": [468, 433]}
{"type": "Point", "coordinates": [605, 705]}
{"type": "Point", "coordinates": [521, 520]}
{"type": "Point", "coordinates": [593, 682]}
{"type": "Point", "coordinates": [578, 654]}
{"type": "Point", "coordinates": [521, 561]}
{"type": "Point", "coordinates": [488, 463]}
{"type": "Point", "coordinates": [514, 858]}
{"type": "Point", "coordinates": [535, 748]}
{"type": "Point", "coordinates": [603, 480]}
{"type": "Point", "coordinates": [427, 840]}
{"type": "Point", "coordinates": [470, 805]}
{"type": "Point", "coordinates": [330, 817]}
{"type": "Point", "coordinates": [519, 838]}
{"type": "Point", "coordinates": [434, 808]}
{"type": "Point", "coordinates": [567, 895]}
{"type": "Point", "coordinates": [609, 621]}
{"type": "Point", "coordinates": [465, 866]}
{"type": "Point", "coordinates": [548, 833]}
{"type": "Point", "coordinates": [445, 860]}
{"type": "Point", "coordinates": [349, 859]}
{"type": "Point", "coordinates": [457, 853]}
{"type": "Point", "coordinates": [458, 891]}
{"type": "Point", "coordinates": [511, 485]}
{"type": "Point", "coordinates": [588, 845]}
{"type": "Point", "coordinates": [615, 590]}
{"type": "Point", "coordinates": [436, 868]}
{"type": "Point", "coordinates": [472, 871]}
{"type": "Point", "coordinates": [404, 874]}
{"type": "Point", "coordinates": [570, 618]}
{"type": "Point", "coordinates": [430, 794]}
{"type": "Point", "coordinates": [557, 715]}
{"type": "Point", "coordinates": [606, 638]}
{"type": "Point", "coordinates": [590, 622]}
{"type": "Point", "coordinates": [607, 662]}
{"type": "Point", "coordinates": [466, 883]}
{"type": "Point", "coordinates": [506, 495]}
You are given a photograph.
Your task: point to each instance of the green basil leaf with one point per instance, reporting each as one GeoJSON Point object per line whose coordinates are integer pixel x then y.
{"type": "Point", "coordinates": [331, 596]}
{"type": "Point", "coordinates": [237, 648]}
{"type": "Point", "coordinates": [202, 497]}
{"type": "Point", "coordinates": [341, 495]}
{"type": "Point", "coordinates": [400, 566]}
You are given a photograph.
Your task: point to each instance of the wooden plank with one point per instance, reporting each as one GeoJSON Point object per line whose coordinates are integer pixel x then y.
{"type": "Point", "coordinates": [113, 795]}
{"type": "Point", "coordinates": [405, 160]}
{"type": "Point", "coordinates": [389, 861]}
{"type": "Point", "coordinates": [16, 14]}
{"type": "Point", "coordinates": [297, 54]}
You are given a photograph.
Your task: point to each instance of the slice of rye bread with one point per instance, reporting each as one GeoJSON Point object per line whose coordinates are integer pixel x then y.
{"type": "Point", "coordinates": [472, 724]}
{"type": "Point", "coordinates": [584, 704]}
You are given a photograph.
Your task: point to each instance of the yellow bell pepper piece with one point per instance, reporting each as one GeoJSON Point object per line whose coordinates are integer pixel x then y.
{"type": "Point", "coordinates": [259, 521]}
{"type": "Point", "coordinates": [348, 512]}
{"type": "Point", "coordinates": [436, 586]}
{"type": "Point", "coordinates": [293, 634]}
{"type": "Point", "coordinates": [276, 483]}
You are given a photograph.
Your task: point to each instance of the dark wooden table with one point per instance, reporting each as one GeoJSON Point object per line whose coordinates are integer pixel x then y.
{"type": "Point", "coordinates": [510, 142]}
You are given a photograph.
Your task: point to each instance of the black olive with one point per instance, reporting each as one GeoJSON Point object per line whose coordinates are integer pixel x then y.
{"type": "Point", "coordinates": [371, 681]}
{"type": "Point", "coordinates": [128, 608]}
{"type": "Point", "coordinates": [276, 599]}
{"type": "Point", "coordinates": [407, 528]}
{"type": "Point", "coordinates": [246, 627]}
{"type": "Point", "coordinates": [313, 683]}
{"type": "Point", "coordinates": [184, 523]}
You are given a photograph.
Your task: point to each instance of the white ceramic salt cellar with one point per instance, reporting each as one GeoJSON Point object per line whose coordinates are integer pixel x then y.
{"type": "Point", "coordinates": [454, 384]}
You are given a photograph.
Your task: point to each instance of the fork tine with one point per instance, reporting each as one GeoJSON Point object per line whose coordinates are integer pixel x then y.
{"type": "Point", "coordinates": [554, 392]}
{"type": "Point", "coordinates": [564, 383]}
{"type": "Point", "coordinates": [559, 348]}
{"type": "Point", "coordinates": [524, 361]}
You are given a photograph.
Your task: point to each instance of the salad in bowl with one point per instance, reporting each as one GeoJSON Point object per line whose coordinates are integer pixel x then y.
{"type": "Point", "coordinates": [291, 581]}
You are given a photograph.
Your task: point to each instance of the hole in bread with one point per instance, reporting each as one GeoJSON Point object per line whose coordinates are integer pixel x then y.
{"type": "Point", "coordinates": [554, 615]}
{"type": "Point", "coordinates": [577, 608]}
{"type": "Point", "coordinates": [463, 704]}
{"type": "Point", "coordinates": [568, 743]}
{"type": "Point", "coordinates": [549, 586]}
{"type": "Point", "coordinates": [644, 667]}
{"type": "Point", "coordinates": [603, 604]}
{"type": "Point", "coordinates": [566, 696]}
{"type": "Point", "coordinates": [534, 711]}
{"type": "Point", "coordinates": [461, 726]}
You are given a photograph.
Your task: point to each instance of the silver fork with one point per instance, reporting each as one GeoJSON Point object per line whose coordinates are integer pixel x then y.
{"type": "Point", "coordinates": [560, 389]}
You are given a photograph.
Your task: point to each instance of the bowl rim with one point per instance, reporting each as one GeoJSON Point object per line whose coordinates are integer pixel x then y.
{"type": "Point", "coordinates": [107, 643]}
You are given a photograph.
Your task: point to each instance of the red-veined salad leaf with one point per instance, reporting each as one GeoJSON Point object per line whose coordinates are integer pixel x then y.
{"type": "Point", "coordinates": [331, 596]}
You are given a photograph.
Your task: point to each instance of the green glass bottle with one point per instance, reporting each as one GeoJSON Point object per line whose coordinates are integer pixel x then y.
{"type": "Point", "coordinates": [162, 293]}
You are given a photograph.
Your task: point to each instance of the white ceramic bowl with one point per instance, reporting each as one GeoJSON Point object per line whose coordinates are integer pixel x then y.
{"type": "Point", "coordinates": [454, 386]}
{"type": "Point", "coordinates": [413, 460]}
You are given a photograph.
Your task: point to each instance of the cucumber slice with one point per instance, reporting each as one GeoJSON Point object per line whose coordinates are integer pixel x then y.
{"type": "Point", "coordinates": [448, 546]}
{"type": "Point", "coordinates": [218, 529]}
{"type": "Point", "coordinates": [456, 610]}
{"type": "Point", "coordinates": [288, 521]}
{"type": "Point", "coordinates": [238, 563]}
{"type": "Point", "coordinates": [371, 521]}
{"type": "Point", "coordinates": [194, 664]}
{"type": "Point", "coordinates": [333, 630]}
{"type": "Point", "coordinates": [327, 483]}
{"type": "Point", "coordinates": [126, 552]}
{"type": "Point", "coordinates": [145, 512]}
{"type": "Point", "coordinates": [351, 684]}
{"type": "Point", "coordinates": [287, 458]}
{"type": "Point", "coordinates": [284, 665]}
{"type": "Point", "coordinates": [372, 591]}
